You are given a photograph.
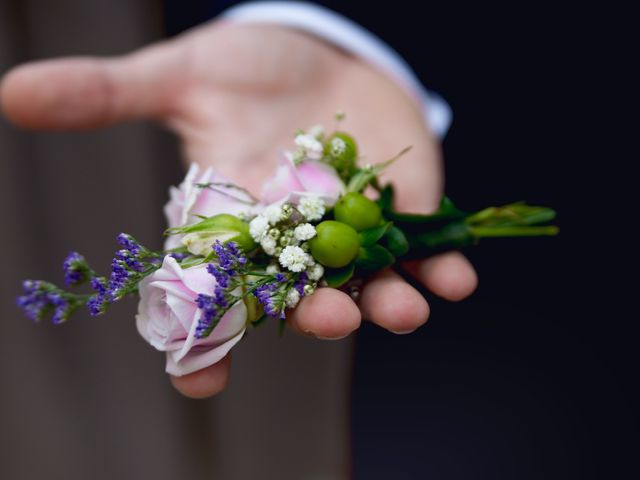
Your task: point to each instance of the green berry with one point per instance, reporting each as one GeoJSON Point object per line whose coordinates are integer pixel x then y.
{"type": "Point", "coordinates": [358, 211]}
{"type": "Point", "coordinates": [342, 151]}
{"type": "Point", "coordinates": [335, 244]}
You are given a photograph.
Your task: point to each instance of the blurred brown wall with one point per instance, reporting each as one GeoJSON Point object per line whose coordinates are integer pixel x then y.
{"type": "Point", "coordinates": [89, 399]}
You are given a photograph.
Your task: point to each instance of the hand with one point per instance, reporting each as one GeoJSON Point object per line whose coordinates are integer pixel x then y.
{"type": "Point", "coordinates": [234, 94]}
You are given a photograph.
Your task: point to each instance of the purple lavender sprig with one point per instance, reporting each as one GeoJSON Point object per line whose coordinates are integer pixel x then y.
{"type": "Point", "coordinates": [232, 266]}
{"type": "Point", "coordinates": [271, 295]}
{"type": "Point", "coordinates": [130, 244]}
{"type": "Point", "coordinates": [76, 270]}
{"type": "Point", "coordinates": [232, 272]}
{"type": "Point", "coordinates": [98, 302]}
{"type": "Point", "coordinates": [282, 291]}
{"type": "Point", "coordinates": [41, 298]}
{"type": "Point", "coordinates": [129, 266]}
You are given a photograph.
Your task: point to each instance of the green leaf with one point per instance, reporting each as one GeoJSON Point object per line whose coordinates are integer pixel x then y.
{"type": "Point", "coordinates": [451, 235]}
{"type": "Point", "coordinates": [360, 180]}
{"type": "Point", "coordinates": [374, 258]}
{"type": "Point", "coordinates": [446, 211]}
{"type": "Point", "coordinates": [447, 208]}
{"type": "Point", "coordinates": [222, 221]}
{"type": "Point", "coordinates": [514, 231]}
{"type": "Point", "coordinates": [259, 320]}
{"type": "Point", "coordinates": [180, 249]}
{"type": "Point", "coordinates": [396, 241]}
{"type": "Point", "coordinates": [386, 198]}
{"type": "Point", "coordinates": [336, 277]}
{"type": "Point", "coordinates": [192, 262]}
{"type": "Point", "coordinates": [365, 175]}
{"type": "Point", "coordinates": [511, 215]}
{"type": "Point", "coordinates": [208, 223]}
{"type": "Point", "coordinates": [372, 235]}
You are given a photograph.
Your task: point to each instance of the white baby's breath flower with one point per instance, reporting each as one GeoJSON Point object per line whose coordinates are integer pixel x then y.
{"type": "Point", "coordinates": [311, 207]}
{"type": "Point", "coordinates": [294, 258]}
{"type": "Point", "coordinates": [310, 144]}
{"type": "Point", "coordinates": [273, 214]}
{"type": "Point", "coordinates": [305, 231]}
{"type": "Point", "coordinates": [258, 227]}
{"type": "Point", "coordinates": [298, 156]}
{"type": "Point", "coordinates": [338, 146]}
{"type": "Point", "coordinates": [268, 244]}
{"type": "Point", "coordinates": [317, 131]}
{"type": "Point", "coordinates": [315, 272]}
{"type": "Point", "coordinates": [292, 298]}
{"type": "Point", "coordinates": [272, 269]}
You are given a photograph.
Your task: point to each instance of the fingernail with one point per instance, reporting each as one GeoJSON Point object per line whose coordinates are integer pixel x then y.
{"type": "Point", "coordinates": [402, 332]}
{"type": "Point", "coordinates": [331, 338]}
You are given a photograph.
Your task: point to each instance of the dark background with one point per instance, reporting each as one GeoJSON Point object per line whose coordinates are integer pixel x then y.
{"type": "Point", "coordinates": [535, 376]}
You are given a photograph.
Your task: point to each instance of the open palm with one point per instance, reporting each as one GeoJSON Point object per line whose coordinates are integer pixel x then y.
{"type": "Point", "coordinates": [234, 95]}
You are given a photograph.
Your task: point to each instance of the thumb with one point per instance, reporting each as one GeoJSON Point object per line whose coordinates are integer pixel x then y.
{"type": "Point", "coordinates": [84, 93]}
{"type": "Point", "coordinates": [418, 177]}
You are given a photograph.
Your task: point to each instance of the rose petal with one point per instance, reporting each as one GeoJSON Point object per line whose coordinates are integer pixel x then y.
{"type": "Point", "coordinates": [320, 178]}
{"type": "Point", "coordinates": [168, 317]}
{"type": "Point", "coordinates": [176, 210]}
{"type": "Point", "coordinates": [218, 198]}
{"type": "Point", "coordinates": [282, 182]}
{"type": "Point", "coordinates": [188, 201]}
{"type": "Point", "coordinates": [310, 176]}
{"type": "Point", "coordinates": [230, 323]}
{"type": "Point", "coordinates": [197, 359]}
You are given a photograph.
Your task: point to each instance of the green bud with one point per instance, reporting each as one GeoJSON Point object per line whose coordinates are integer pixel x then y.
{"type": "Point", "coordinates": [342, 152]}
{"type": "Point", "coordinates": [284, 241]}
{"type": "Point", "coordinates": [335, 245]}
{"type": "Point", "coordinates": [200, 237]}
{"type": "Point", "coordinates": [287, 209]}
{"type": "Point", "coordinates": [358, 211]}
{"type": "Point", "coordinates": [274, 233]}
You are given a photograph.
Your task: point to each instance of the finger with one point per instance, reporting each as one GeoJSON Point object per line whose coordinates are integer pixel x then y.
{"type": "Point", "coordinates": [84, 93]}
{"type": "Point", "coordinates": [449, 275]}
{"type": "Point", "coordinates": [206, 382]}
{"type": "Point", "coordinates": [327, 314]}
{"type": "Point", "coordinates": [390, 302]}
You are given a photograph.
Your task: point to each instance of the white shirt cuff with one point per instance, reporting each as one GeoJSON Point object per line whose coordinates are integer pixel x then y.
{"type": "Point", "coordinates": [351, 37]}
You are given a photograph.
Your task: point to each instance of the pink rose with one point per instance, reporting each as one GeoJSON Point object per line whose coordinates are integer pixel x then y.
{"type": "Point", "coordinates": [167, 318]}
{"type": "Point", "coordinates": [310, 176]}
{"type": "Point", "coordinates": [188, 200]}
